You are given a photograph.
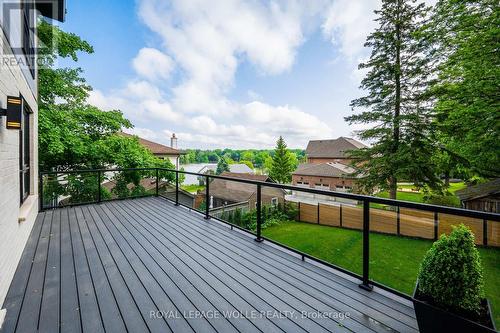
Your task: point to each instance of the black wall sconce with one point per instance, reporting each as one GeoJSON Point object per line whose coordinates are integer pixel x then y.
{"type": "Point", "coordinates": [13, 112]}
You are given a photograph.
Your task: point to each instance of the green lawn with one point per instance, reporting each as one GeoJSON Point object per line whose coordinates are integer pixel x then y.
{"type": "Point", "coordinates": [192, 188]}
{"type": "Point", "coordinates": [394, 261]}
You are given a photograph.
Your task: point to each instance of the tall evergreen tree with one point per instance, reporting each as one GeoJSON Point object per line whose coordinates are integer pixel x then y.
{"type": "Point", "coordinates": [222, 166]}
{"type": "Point", "coordinates": [400, 118]}
{"type": "Point", "coordinates": [281, 168]}
{"type": "Point", "coordinates": [464, 38]}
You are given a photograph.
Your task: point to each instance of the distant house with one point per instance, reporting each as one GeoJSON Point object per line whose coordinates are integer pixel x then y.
{"type": "Point", "coordinates": [335, 150]}
{"type": "Point", "coordinates": [483, 197]}
{"type": "Point", "coordinates": [225, 192]}
{"type": "Point", "coordinates": [161, 151]}
{"type": "Point", "coordinates": [332, 176]}
{"type": "Point", "coordinates": [211, 169]}
{"type": "Point", "coordinates": [233, 168]}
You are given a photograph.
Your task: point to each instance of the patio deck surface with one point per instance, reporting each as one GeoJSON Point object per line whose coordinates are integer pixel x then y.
{"type": "Point", "coordinates": [145, 265]}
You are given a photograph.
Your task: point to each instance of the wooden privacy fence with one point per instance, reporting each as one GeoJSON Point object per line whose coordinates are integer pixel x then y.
{"type": "Point", "coordinates": [401, 221]}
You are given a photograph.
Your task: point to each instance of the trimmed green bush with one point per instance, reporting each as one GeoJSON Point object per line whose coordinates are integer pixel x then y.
{"type": "Point", "coordinates": [443, 200]}
{"type": "Point", "coordinates": [451, 273]}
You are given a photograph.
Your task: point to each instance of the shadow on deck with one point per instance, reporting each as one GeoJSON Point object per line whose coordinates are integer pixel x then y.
{"type": "Point", "coordinates": [145, 265]}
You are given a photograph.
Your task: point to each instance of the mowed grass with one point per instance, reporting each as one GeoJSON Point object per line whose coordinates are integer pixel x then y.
{"type": "Point", "coordinates": [405, 196]}
{"type": "Point", "coordinates": [394, 261]}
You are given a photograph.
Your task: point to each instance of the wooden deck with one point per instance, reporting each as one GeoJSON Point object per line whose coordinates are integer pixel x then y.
{"type": "Point", "coordinates": [145, 265]}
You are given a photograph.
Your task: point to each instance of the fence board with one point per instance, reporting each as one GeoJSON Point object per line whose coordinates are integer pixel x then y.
{"type": "Point", "coordinates": [416, 223]}
{"type": "Point", "coordinates": [493, 233]}
{"type": "Point", "coordinates": [329, 215]}
{"type": "Point", "coordinates": [352, 217]}
{"type": "Point", "coordinates": [308, 213]}
{"type": "Point", "coordinates": [383, 221]}
{"type": "Point", "coordinates": [447, 220]}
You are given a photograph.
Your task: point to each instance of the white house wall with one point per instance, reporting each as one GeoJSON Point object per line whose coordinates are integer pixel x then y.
{"type": "Point", "coordinates": [15, 222]}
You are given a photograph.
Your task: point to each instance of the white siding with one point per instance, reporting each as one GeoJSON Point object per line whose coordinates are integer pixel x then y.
{"type": "Point", "coordinates": [14, 233]}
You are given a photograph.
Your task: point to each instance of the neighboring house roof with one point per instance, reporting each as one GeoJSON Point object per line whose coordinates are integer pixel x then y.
{"type": "Point", "coordinates": [155, 148]}
{"type": "Point", "coordinates": [234, 168]}
{"type": "Point", "coordinates": [235, 191]}
{"type": "Point", "coordinates": [479, 190]}
{"type": "Point", "coordinates": [240, 168]}
{"type": "Point", "coordinates": [249, 176]}
{"type": "Point", "coordinates": [330, 169]}
{"type": "Point", "coordinates": [335, 148]}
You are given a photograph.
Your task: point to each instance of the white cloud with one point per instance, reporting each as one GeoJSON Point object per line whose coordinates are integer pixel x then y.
{"type": "Point", "coordinates": [348, 23]}
{"type": "Point", "coordinates": [153, 64]}
{"type": "Point", "coordinates": [205, 42]}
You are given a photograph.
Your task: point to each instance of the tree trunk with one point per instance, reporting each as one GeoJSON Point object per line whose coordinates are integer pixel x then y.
{"type": "Point", "coordinates": [447, 180]}
{"type": "Point", "coordinates": [393, 188]}
{"type": "Point", "coordinates": [397, 106]}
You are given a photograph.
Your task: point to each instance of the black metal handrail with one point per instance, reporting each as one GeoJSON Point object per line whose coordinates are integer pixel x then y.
{"type": "Point", "coordinates": [365, 199]}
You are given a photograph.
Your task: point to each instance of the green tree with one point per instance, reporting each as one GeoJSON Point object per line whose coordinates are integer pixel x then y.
{"type": "Point", "coordinates": [76, 135]}
{"type": "Point", "coordinates": [464, 38]}
{"type": "Point", "coordinates": [281, 169]}
{"type": "Point", "coordinates": [247, 163]}
{"type": "Point", "coordinates": [222, 166]}
{"type": "Point", "coordinates": [396, 79]}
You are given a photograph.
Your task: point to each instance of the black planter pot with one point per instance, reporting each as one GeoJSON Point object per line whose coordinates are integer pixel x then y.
{"type": "Point", "coordinates": [433, 319]}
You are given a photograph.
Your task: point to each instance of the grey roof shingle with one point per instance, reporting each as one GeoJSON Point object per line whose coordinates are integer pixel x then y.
{"type": "Point", "coordinates": [335, 148]}
{"type": "Point", "coordinates": [154, 147]}
{"type": "Point", "coordinates": [330, 169]}
{"type": "Point", "coordinates": [238, 192]}
{"type": "Point", "coordinates": [479, 190]}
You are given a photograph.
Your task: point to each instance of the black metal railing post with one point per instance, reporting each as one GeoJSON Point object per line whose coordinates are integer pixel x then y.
{"type": "Point", "coordinates": [40, 191]}
{"type": "Point", "coordinates": [207, 197]}
{"type": "Point", "coordinates": [157, 182]}
{"type": "Point", "coordinates": [259, 214]}
{"type": "Point", "coordinates": [98, 185]}
{"type": "Point", "coordinates": [366, 246]}
{"type": "Point", "coordinates": [177, 187]}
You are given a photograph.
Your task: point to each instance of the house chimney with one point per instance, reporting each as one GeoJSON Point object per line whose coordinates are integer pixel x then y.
{"type": "Point", "coordinates": [173, 141]}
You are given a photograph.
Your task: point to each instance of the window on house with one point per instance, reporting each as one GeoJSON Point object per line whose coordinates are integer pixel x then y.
{"type": "Point", "coordinates": [28, 37]}
{"type": "Point", "coordinates": [274, 202]}
{"type": "Point", "coordinates": [24, 155]}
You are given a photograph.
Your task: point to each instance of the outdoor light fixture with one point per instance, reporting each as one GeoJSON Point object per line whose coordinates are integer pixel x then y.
{"type": "Point", "coordinates": [13, 112]}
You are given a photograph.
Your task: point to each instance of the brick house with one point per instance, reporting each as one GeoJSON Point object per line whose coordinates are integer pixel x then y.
{"type": "Point", "coordinates": [19, 128]}
{"type": "Point", "coordinates": [332, 176]}
{"type": "Point", "coordinates": [225, 192]}
{"type": "Point", "coordinates": [161, 151]}
{"type": "Point", "coordinates": [335, 150]}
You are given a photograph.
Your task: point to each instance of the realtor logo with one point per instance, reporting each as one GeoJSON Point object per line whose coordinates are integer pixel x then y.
{"type": "Point", "coordinates": [19, 21]}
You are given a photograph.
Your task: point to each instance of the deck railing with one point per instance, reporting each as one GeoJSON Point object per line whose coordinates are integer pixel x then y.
{"type": "Point", "coordinates": [78, 187]}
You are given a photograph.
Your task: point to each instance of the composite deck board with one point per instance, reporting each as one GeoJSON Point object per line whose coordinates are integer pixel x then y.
{"type": "Point", "coordinates": [204, 280]}
{"type": "Point", "coordinates": [256, 266]}
{"type": "Point", "coordinates": [236, 285]}
{"type": "Point", "coordinates": [30, 310]}
{"type": "Point", "coordinates": [279, 257]}
{"type": "Point", "coordinates": [15, 296]}
{"type": "Point", "coordinates": [247, 278]}
{"type": "Point", "coordinates": [262, 262]}
{"type": "Point", "coordinates": [88, 305]}
{"type": "Point", "coordinates": [70, 304]}
{"type": "Point", "coordinates": [127, 265]}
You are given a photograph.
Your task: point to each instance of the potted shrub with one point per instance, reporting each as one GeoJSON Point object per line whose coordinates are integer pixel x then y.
{"type": "Point", "coordinates": [449, 294]}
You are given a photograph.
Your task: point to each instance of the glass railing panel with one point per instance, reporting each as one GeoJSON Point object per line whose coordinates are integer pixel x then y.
{"type": "Point", "coordinates": [321, 226]}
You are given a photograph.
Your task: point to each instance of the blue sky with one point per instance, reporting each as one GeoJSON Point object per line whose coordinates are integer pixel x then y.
{"type": "Point", "coordinates": [229, 73]}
